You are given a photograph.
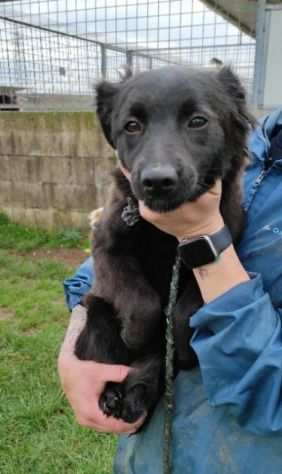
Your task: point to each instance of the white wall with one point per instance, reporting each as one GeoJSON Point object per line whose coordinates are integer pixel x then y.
{"type": "Point", "coordinates": [272, 91]}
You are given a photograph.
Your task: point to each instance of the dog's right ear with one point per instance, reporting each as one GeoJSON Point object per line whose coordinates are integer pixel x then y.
{"type": "Point", "coordinates": [233, 86]}
{"type": "Point", "coordinates": [106, 93]}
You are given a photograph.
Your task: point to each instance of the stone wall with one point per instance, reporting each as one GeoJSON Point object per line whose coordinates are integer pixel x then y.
{"type": "Point", "coordinates": [54, 168]}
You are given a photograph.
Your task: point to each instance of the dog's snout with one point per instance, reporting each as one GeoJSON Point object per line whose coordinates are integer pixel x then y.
{"type": "Point", "coordinates": [159, 179]}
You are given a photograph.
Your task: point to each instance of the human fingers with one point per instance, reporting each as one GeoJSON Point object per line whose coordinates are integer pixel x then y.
{"type": "Point", "coordinates": [113, 372]}
{"type": "Point", "coordinates": [126, 173]}
{"type": "Point", "coordinates": [95, 216]}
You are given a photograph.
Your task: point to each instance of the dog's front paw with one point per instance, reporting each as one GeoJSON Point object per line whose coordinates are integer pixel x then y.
{"type": "Point", "coordinates": [133, 405]}
{"type": "Point", "coordinates": [129, 406]}
{"type": "Point", "coordinates": [111, 400]}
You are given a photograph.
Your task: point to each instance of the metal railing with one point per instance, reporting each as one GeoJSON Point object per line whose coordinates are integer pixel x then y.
{"type": "Point", "coordinates": [51, 48]}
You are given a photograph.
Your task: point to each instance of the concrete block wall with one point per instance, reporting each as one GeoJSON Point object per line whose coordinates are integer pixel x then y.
{"type": "Point", "coordinates": [54, 168]}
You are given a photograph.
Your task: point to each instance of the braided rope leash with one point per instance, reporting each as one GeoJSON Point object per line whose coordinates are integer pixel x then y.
{"type": "Point", "coordinates": [130, 216]}
{"type": "Point", "coordinates": [173, 291]}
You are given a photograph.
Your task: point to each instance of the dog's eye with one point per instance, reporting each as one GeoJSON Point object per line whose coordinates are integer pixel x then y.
{"type": "Point", "coordinates": [133, 127]}
{"type": "Point", "coordinates": [197, 122]}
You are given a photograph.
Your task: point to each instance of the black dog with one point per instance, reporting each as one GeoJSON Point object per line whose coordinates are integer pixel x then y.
{"type": "Point", "coordinates": [176, 130]}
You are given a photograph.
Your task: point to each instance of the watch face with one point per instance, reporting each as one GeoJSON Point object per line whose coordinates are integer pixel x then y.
{"type": "Point", "coordinates": [198, 252]}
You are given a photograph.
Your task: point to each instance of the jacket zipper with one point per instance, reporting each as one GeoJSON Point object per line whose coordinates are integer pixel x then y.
{"type": "Point", "coordinates": [256, 184]}
{"type": "Point", "coordinates": [260, 177]}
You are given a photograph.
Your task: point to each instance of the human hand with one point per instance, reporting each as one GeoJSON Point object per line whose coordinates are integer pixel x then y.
{"type": "Point", "coordinates": [189, 220]}
{"type": "Point", "coordinates": [83, 383]}
{"type": "Point", "coordinates": [95, 216]}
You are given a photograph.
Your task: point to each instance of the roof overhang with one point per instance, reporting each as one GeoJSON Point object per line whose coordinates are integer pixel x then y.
{"type": "Point", "coordinates": [241, 13]}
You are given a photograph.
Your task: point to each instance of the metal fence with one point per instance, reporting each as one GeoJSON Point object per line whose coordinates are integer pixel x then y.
{"type": "Point", "coordinates": [59, 48]}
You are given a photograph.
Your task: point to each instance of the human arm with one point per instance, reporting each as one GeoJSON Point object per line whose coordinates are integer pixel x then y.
{"type": "Point", "coordinates": [76, 286]}
{"type": "Point", "coordinates": [239, 346]}
{"type": "Point", "coordinates": [237, 334]}
{"type": "Point", "coordinates": [84, 381]}
{"type": "Point", "coordinates": [198, 218]}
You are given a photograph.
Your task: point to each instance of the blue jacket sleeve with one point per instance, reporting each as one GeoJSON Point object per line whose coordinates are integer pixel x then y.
{"type": "Point", "coordinates": [238, 342]}
{"type": "Point", "coordinates": [79, 284]}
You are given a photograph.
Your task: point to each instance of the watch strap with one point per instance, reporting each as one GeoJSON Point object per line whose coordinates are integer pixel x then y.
{"type": "Point", "coordinates": [221, 239]}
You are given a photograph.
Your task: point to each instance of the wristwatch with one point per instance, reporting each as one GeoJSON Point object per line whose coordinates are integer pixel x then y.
{"type": "Point", "coordinates": [204, 249]}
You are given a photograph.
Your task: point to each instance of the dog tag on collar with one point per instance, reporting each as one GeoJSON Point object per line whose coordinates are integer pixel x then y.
{"type": "Point", "coordinates": [130, 213]}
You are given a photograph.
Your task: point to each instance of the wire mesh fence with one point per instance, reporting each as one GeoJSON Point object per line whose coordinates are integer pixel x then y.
{"type": "Point", "coordinates": [60, 48]}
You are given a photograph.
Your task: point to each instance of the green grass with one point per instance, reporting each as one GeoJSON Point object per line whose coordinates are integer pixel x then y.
{"type": "Point", "coordinates": [37, 429]}
{"type": "Point", "coordinates": [21, 238]}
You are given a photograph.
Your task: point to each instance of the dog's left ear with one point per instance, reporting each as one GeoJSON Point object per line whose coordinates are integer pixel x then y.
{"type": "Point", "coordinates": [236, 90]}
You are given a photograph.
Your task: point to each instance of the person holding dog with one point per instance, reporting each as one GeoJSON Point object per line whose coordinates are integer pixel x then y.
{"type": "Point", "coordinates": [228, 412]}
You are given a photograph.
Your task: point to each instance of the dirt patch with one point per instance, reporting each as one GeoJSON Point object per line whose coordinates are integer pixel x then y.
{"type": "Point", "coordinates": [6, 314]}
{"type": "Point", "coordinates": [69, 257]}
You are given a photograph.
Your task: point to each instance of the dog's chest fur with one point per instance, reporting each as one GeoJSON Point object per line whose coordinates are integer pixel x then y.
{"type": "Point", "coordinates": [155, 252]}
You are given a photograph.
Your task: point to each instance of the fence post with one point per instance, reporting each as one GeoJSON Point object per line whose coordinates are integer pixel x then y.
{"type": "Point", "coordinates": [129, 58]}
{"type": "Point", "coordinates": [260, 59]}
{"type": "Point", "coordinates": [103, 61]}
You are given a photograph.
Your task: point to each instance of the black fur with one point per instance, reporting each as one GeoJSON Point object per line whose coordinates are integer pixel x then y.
{"type": "Point", "coordinates": [125, 322]}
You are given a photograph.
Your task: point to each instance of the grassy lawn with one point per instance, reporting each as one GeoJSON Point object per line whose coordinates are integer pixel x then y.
{"type": "Point", "coordinates": [17, 237]}
{"type": "Point", "coordinates": [37, 431]}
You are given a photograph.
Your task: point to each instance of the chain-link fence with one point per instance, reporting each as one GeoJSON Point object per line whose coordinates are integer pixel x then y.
{"type": "Point", "coordinates": [53, 51]}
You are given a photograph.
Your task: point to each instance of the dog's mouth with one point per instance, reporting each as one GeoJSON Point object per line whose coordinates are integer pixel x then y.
{"type": "Point", "coordinates": [164, 204]}
{"type": "Point", "coordinates": [171, 201]}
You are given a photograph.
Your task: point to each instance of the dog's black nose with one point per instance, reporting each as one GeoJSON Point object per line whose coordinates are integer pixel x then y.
{"type": "Point", "coordinates": [159, 180]}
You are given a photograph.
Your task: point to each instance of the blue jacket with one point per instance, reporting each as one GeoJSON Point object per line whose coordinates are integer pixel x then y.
{"type": "Point", "coordinates": [228, 412]}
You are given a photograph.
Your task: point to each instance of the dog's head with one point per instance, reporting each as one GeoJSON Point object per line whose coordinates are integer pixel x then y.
{"type": "Point", "coordinates": [176, 129]}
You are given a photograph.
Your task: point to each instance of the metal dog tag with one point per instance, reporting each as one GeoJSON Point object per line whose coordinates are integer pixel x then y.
{"type": "Point", "coordinates": [130, 213]}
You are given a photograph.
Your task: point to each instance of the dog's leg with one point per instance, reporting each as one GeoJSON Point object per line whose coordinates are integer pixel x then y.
{"type": "Point", "coordinates": [100, 339]}
{"type": "Point", "coordinates": [120, 279]}
{"type": "Point", "coordinates": [136, 304]}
